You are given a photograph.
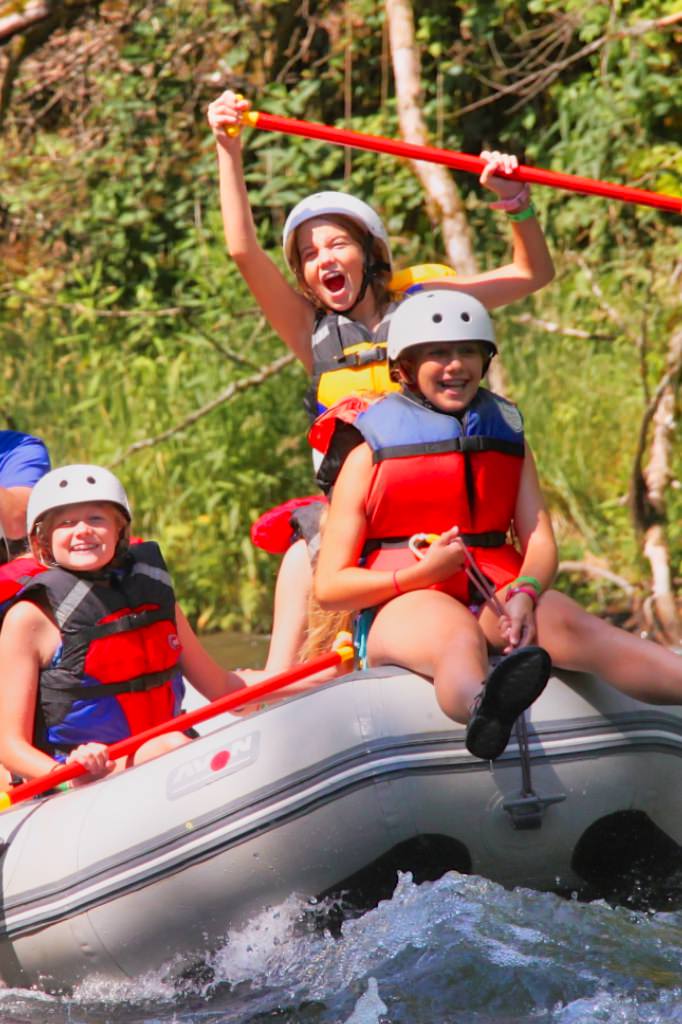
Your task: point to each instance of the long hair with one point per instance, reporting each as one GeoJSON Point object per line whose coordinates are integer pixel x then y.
{"type": "Point", "coordinates": [323, 626]}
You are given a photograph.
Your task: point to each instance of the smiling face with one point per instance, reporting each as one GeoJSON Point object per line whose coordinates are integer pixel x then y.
{"type": "Point", "coordinates": [84, 537]}
{"type": "Point", "coordinates": [331, 261]}
{"type": "Point", "coordinates": [447, 373]}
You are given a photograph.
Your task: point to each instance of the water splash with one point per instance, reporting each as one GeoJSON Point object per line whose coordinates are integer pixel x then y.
{"type": "Point", "coordinates": [461, 950]}
{"type": "Point", "coordinates": [369, 1006]}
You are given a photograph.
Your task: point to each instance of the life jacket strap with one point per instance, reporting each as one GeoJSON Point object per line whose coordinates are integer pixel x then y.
{"type": "Point", "coordinates": [95, 691]}
{"type": "Point", "coordinates": [126, 624]}
{"type": "Point", "coordinates": [487, 539]}
{"type": "Point", "coordinates": [454, 444]}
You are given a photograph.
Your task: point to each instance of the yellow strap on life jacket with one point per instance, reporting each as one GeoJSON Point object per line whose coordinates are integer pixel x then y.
{"type": "Point", "coordinates": [337, 384]}
{"type": "Point", "coordinates": [417, 277]}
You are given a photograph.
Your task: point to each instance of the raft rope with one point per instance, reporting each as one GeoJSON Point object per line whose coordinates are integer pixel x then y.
{"type": "Point", "coordinates": [418, 543]}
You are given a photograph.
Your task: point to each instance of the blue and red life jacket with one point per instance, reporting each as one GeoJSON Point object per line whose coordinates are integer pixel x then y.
{"type": "Point", "coordinates": [116, 672]}
{"type": "Point", "coordinates": [432, 471]}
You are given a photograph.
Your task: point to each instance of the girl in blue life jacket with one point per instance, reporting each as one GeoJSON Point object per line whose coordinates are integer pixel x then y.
{"type": "Point", "coordinates": [94, 648]}
{"type": "Point", "coordinates": [334, 319]}
{"type": "Point", "coordinates": [448, 458]}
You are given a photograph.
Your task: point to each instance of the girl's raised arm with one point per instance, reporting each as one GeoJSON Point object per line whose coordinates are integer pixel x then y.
{"type": "Point", "coordinates": [288, 312]}
{"type": "Point", "coordinates": [531, 267]}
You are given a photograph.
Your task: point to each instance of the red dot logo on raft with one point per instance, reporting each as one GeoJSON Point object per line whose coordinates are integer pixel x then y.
{"type": "Point", "coordinates": [207, 762]}
{"type": "Point", "coordinates": [219, 760]}
{"type": "Point", "coordinates": [174, 642]}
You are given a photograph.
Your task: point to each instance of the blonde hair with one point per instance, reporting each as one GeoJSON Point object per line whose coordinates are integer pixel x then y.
{"type": "Point", "coordinates": [323, 626]}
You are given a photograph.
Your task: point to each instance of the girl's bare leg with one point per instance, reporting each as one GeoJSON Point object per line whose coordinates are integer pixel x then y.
{"type": "Point", "coordinates": [582, 642]}
{"type": "Point", "coordinates": [431, 633]}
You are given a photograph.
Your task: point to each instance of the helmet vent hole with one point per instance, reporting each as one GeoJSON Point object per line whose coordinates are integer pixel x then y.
{"type": "Point", "coordinates": [90, 480]}
{"type": "Point", "coordinates": [466, 318]}
{"type": "Point", "coordinates": [63, 483]}
{"type": "Point", "coordinates": [437, 318]}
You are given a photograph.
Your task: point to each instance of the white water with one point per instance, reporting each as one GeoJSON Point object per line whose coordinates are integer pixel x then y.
{"type": "Point", "coordinates": [458, 950]}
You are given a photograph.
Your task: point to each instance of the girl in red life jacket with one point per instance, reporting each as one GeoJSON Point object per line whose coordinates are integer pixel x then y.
{"type": "Point", "coordinates": [339, 251]}
{"type": "Point", "coordinates": [446, 444]}
{"type": "Point", "coordinates": [94, 648]}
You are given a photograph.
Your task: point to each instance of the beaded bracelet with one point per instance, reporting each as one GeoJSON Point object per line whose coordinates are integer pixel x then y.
{"type": "Point", "coordinates": [532, 581]}
{"type": "Point", "coordinates": [526, 214]}
{"type": "Point", "coordinates": [513, 591]}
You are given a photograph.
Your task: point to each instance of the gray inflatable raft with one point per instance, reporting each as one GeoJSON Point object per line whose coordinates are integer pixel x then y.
{"type": "Point", "coordinates": [326, 790]}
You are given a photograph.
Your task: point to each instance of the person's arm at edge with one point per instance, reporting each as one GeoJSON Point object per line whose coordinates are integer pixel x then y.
{"type": "Point", "coordinates": [203, 671]}
{"type": "Point", "coordinates": [13, 502]}
{"type": "Point", "coordinates": [22, 642]}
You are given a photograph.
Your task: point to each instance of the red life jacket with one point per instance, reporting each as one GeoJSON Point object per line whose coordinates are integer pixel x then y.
{"type": "Point", "coordinates": [433, 471]}
{"type": "Point", "coordinates": [117, 670]}
{"type": "Point", "coordinates": [16, 574]}
{"type": "Point", "coordinates": [275, 530]}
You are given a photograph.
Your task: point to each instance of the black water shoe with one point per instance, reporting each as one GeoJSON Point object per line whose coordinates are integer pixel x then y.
{"type": "Point", "coordinates": [512, 686]}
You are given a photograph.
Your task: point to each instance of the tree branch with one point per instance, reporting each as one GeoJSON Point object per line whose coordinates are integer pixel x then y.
{"type": "Point", "coordinates": [589, 569]}
{"type": "Point", "coordinates": [224, 396]}
{"type": "Point", "coordinates": [17, 17]}
{"type": "Point", "coordinates": [531, 84]}
{"type": "Point", "coordinates": [552, 327]}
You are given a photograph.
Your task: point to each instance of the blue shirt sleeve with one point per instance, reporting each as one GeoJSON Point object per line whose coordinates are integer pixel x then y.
{"type": "Point", "coordinates": [24, 459]}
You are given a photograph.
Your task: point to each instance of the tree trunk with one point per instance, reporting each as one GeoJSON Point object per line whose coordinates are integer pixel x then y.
{"type": "Point", "coordinates": [649, 487]}
{"type": "Point", "coordinates": [443, 201]}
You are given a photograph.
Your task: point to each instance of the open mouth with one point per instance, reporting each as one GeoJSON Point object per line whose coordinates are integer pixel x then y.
{"type": "Point", "coordinates": [334, 283]}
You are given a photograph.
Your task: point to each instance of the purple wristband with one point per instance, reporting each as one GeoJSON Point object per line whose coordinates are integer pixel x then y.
{"type": "Point", "coordinates": [514, 203]}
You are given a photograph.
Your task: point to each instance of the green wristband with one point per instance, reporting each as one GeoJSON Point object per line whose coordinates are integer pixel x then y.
{"type": "Point", "coordinates": [530, 581]}
{"type": "Point", "coordinates": [526, 214]}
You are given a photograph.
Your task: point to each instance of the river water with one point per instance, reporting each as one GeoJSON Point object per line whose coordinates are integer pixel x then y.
{"type": "Point", "coordinates": [461, 950]}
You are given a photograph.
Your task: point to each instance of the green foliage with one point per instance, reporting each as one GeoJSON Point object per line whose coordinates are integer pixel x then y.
{"type": "Point", "coordinates": [120, 315]}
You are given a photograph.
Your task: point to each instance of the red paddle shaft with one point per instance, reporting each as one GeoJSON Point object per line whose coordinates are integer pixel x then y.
{"type": "Point", "coordinates": [460, 161]}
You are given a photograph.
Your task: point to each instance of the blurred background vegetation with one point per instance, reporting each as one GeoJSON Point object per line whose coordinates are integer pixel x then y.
{"type": "Point", "coordinates": [121, 316]}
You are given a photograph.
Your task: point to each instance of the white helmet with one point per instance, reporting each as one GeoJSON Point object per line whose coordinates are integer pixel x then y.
{"type": "Point", "coordinates": [72, 485]}
{"type": "Point", "coordinates": [328, 204]}
{"type": "Point", "coordinates": [443, 315]}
